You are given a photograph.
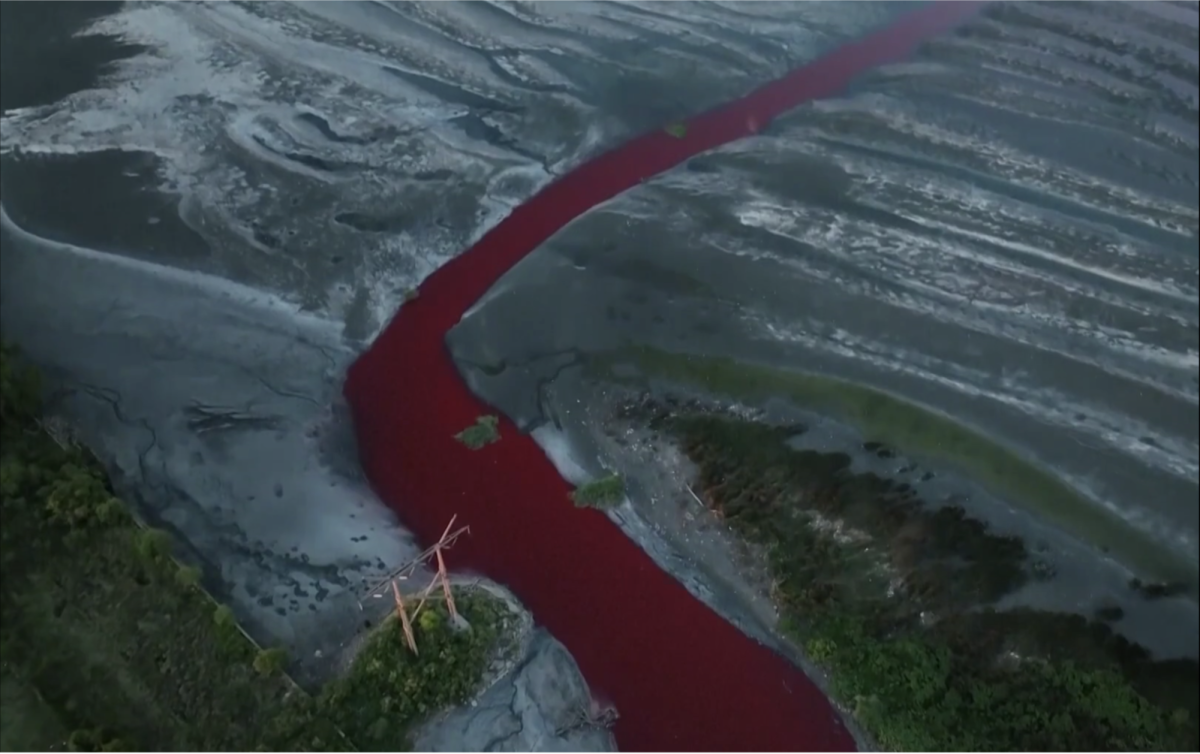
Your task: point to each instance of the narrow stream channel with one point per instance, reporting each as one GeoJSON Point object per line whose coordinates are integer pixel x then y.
{"type": "Point", "coordinates": [681, 676]}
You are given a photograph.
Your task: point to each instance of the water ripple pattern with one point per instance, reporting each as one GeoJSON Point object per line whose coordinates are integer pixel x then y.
{"type": "Point", "coordinates": [340, 152]}
{"type": "Point", "coordinates": [1004, 229]}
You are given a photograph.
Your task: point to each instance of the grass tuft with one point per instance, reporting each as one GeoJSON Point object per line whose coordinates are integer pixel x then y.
{"type": "Point", "coordinates": [485, 431]}
{"type": "Point", "coordinates": [606, 492]}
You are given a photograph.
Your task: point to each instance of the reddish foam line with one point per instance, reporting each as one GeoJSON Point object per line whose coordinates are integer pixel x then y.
{"type": "Point", "coordinates": [682, 677]}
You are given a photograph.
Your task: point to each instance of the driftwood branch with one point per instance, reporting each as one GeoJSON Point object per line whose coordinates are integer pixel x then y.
{"type": "Point", "coordinates": [440, 578]}
{"type": "Point", "coordinates": [403, 572]}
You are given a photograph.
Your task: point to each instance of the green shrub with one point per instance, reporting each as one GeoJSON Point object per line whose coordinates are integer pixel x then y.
{"type": "Point", "coordinates": [77, 497]}
{"type": "Point", "coordinates": [223, 617]}
{"type": "Point", "coordinates": [270, 661]}
{"type": "Point", "coordinates": [430, 621]}
{"type": "Point", "coordinates": [153, 544]}
{"type": "Point", "coordinates": [388, 689]}
{"type": "Point", "coordinates": [485, 431]}
{"type": "Point", "coordinates": [188, 576]}
{"type": "Point", "coordinates": [606, 492]}
{"type": "Point", "coordinates": [915, 694]}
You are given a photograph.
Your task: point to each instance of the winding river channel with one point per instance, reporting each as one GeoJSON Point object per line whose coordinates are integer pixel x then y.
{"type": "Point", "coordinates": [987, 211]}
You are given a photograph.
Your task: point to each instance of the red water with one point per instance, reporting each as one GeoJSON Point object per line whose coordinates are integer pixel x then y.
{"type": "Point", "coordinates": [682, 677]}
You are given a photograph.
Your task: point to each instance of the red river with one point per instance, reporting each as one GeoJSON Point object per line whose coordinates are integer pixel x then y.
{"type": "Point", "coordinates": [682, 677]}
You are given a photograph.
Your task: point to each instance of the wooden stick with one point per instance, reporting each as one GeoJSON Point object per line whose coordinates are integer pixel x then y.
{"type": "Point", "coordinates": [403, 615]}
{"type": "Point", "coordinates": [446, 586]}
{"type": "Point", "coordinates": [405, 570]}
{"type": "Point", "coordinates": [425, 596]}
{"type": "Point", "coordinates": [442, 539]}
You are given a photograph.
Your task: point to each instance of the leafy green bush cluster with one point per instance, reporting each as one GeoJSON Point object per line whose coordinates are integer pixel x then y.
{"type": "Point", "coordinates": [389, 688]}
{"type": "Point", "coordinates": [77, 497]}
{"type": "Point", "coordinates": [125, 647]}
{"type": "Point", "coordinates": [916, 692]}
{"type": "Point", "coordinates": [271, 661]}
{"type": "Point", "coordinates": [484, 432]}
{"type": "Point", "coordinates": [895, 599]}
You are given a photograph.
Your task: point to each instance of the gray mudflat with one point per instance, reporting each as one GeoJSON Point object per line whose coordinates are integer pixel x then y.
{"type": "Point", "coordinates": [527, 710]}
{"type": "Point", "coordinates": [991, 230]}
{"type": "Point", "coordinates": [216, 407]}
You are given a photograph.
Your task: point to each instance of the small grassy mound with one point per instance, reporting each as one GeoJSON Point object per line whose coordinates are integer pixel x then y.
{"type": "Point", "coordinates": [897, 599]}
{"type": "Point", "coordinates": [484, 432]}
{"type": "Point", "coordinates": [122, 648]}
{"type": "Point", "coordinates": [388, 689]}
{"type": "Point", "coordinates": [606, 492]}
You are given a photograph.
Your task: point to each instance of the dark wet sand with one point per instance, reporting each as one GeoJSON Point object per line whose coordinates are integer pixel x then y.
{"type": "Point", "coordinates": [682, 677]}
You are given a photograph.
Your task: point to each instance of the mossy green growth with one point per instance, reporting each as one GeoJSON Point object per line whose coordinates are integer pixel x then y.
{"type": "Point", "coordinates": [678, 130]}
{"type": "Point", "coordinates": [924, 433]}
{"type": "Point", "coordinates": [270, 661]}
{"type": "Point", "coordinates": [188, 576]}
{"type": "Point", "coordinates": [485, 431]}
{"type": "Point", "coordinates": [388, 689]}
{"type": "Point", "coordinates": [897, 600]}
{"type": "Point", "coordinates": [606, 492]}
{"type": "Point", "coordinates": [116, 641]}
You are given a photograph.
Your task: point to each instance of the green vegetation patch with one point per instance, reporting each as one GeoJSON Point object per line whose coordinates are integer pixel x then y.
{"type": "Point", "coordinates": [677, 130]}
{"type": "Point", "coordinates": [606, 492]}
{"type": "Point", "coordinates": [920, 431]}
{"type": "Point", "coordinates": [388, 689]}
{"type": "Point", "coordinates": [27, 723]}
{"type": "Point", "coordinates": [897, 600]}
{"type": "Point", "coordinates": [110, 644]}
{"type": "Point", "coordinates": [485, 431]}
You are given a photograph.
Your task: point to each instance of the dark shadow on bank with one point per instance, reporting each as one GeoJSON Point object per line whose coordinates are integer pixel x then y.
{"type": "Point", "coordinates": [41, 58]}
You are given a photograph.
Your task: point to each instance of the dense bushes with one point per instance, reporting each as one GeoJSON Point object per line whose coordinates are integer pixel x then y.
{"type": "Point", "coordinates": [895, 598]}
{"type": "Point", "coordinates": [124, 645]}
{"type": "Point", "coordinates": [390, 688]}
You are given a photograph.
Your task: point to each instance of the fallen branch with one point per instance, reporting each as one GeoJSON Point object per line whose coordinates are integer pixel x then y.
{"type": "Point", "coordinates": [404, 571]}
{"type": "Point", "coordinates": [403, 615]}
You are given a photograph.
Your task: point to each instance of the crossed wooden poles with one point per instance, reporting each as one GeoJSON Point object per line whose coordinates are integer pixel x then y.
{"type": "Point", "coordinates": [392, 582]}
